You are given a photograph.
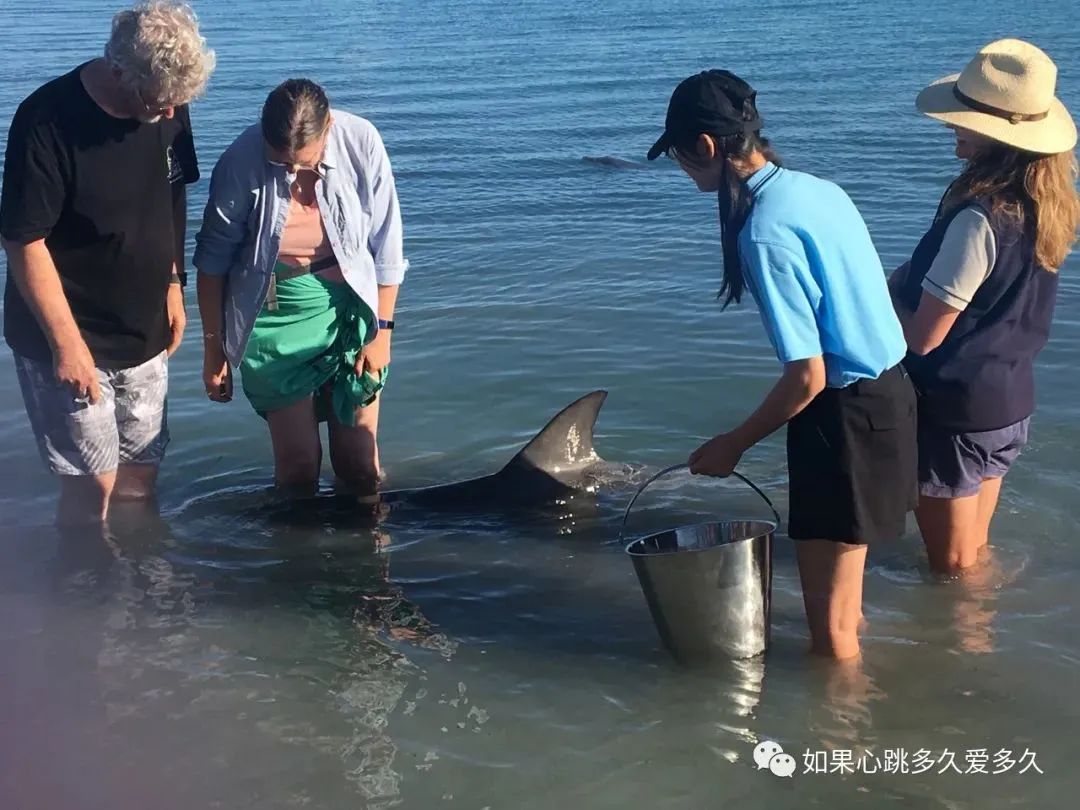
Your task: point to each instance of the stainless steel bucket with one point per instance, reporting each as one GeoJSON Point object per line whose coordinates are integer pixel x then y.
{"type": "Point", "coordinates": [709, 586]}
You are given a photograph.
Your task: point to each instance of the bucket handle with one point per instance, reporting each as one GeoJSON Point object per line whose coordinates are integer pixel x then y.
{"type": "Point", "coordinates": [676, 468]}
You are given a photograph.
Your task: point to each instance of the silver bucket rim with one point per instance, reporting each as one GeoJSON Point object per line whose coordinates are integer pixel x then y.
{"type": "Point", "coordinates": [773, 528]}
{"type": "Point", "coordinates": [676, 468]}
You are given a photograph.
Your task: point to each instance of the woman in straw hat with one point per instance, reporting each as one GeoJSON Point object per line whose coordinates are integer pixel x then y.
{"type": "Point", "coordinates": [977, 297]}
{"type": "Point", "coordinates": [801, 248]}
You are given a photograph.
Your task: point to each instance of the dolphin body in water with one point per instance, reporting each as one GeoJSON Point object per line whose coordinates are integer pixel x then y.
{"type": "Point", "coordinates": [613, 162]}
{"type": "Point", "coordinates": [558, 460]}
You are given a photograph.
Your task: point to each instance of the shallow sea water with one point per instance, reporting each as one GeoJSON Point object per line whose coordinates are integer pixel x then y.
{"type": "Point", "coordinates": [233, 652]}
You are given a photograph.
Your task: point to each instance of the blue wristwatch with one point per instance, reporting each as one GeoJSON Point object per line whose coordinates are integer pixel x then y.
{"type": "Point", "coordinates": [385, 324]}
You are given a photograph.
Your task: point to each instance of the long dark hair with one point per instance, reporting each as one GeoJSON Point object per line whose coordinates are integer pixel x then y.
{"type": "Point", "coordinates": [734, 202]}
{"type": "Point", "coordinates": [295, 113]}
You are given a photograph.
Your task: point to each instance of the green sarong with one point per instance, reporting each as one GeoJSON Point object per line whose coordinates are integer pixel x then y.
{"type": "Point", "coordinates": [311, 340]}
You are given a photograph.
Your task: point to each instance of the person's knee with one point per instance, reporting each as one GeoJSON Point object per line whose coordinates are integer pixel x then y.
{"type": "Point", "coordinates": [953, 561]}
{"type": "Point", "coordinates": [354, 456]}
{"type": "Point", "coordinates": [359, 463]}
{"type": "Point", "coordinates": [296, 476]}
{"type": "Point", "coordinates": [835, 618]}
{"type": "Point", "coordinates": [135, 482]}
{"type": "Point", "coordinates": [84, 499]}
{"type": "Point", "coordinates": [952, 553]}
{"type": "Point", "coordinates": [358, 476]}
{"type": "Point", "coordinates": [951, 532]}
{"type": "Point", "coordinates": [298, 470]}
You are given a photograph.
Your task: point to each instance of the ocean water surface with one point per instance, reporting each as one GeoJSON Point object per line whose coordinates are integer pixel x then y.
{"type": "Point", "coordinates": [235, 653]}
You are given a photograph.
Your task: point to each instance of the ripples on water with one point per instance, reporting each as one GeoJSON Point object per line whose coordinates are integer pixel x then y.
{"type": "Point", "coordinates": [238, 653]}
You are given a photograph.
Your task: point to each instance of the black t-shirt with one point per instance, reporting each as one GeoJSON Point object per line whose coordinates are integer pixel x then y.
{"type": "Point", "coordinates": [104, 193]}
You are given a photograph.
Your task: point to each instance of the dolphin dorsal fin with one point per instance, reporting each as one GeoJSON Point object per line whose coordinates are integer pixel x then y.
{"type": "Point", "coordinates": [566, 441]}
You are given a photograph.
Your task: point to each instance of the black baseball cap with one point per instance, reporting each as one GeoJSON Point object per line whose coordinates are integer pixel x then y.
{"type": "Point", "coordinates": [713, 101]}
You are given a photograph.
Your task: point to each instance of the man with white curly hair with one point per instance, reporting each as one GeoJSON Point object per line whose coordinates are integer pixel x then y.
{"type": "Point", "coordinates": [92, 217]}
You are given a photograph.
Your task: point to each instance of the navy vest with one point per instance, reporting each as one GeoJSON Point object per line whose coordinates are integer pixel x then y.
{"type": "Point", "coordinates": [982, 376]}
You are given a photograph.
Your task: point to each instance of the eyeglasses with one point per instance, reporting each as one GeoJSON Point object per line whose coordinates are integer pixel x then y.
{"type": "Point", "coordinates": [157, 107]}
{"type": "Point", "coordinates": [296, 168]}
{"type": "Point", "coordinates": [291, 162]}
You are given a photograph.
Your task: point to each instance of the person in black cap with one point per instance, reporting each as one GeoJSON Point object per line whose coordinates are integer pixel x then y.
{"type": "Point", "coordinates": [800, 246]}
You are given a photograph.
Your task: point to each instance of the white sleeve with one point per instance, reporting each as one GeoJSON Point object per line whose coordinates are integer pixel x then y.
{"type": "Point", "coordinates": [966, 257]}
{"type": "Point", "coordinates": [385, 240]}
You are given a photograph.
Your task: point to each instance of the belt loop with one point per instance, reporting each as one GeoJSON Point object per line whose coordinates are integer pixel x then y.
{"type": "Point", "coordinates": [271, 295]}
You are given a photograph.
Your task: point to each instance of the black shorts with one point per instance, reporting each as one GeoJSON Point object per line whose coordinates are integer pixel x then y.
{"type": "Point", "coordinates": [852, 462]}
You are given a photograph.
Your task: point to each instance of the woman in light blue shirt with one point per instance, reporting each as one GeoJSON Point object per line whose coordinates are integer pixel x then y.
{"type": "Point", "coordinates": [801, 248]}
{"type": "Point", "coordinates": [299, 262]}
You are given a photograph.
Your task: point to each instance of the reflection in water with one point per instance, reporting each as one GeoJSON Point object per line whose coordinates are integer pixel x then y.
{"type": "Point", "coordinates": [849, 692]}
{"type": "Point", "coordinates": [977, 592]}
{"type": "Point", "coordinates": [384, 613]}
{"type": "Point", "coordinates": [304, 632]}
{"type": "Point", "coordinates": [309, 638]}
{"type": "Point", "coordinates": [843, 720]}
{"type": "Point", "coordinates": [388, 612]}
{"type": "Point", "coordinates": [738, 690]}
{"type": "Point", "coordinates": [150, 610]}
{"type": "Point", "coordinates": [746, 688]}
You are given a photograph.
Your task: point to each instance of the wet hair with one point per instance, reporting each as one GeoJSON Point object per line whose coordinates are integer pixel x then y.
{"type": "Point", "coordinates": [734, 202]}
{"type": "Point", "coordinates": [1038, 191]}
{"type": "Point", "coordinates": [295, 113]}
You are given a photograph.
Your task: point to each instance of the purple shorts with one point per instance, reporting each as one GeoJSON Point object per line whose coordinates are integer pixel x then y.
{"type": "Point", "coordinates": [954, 465]}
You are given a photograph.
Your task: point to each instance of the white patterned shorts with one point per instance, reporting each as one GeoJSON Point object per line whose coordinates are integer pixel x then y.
{"type": "Point", "coordinates": [127, 425]}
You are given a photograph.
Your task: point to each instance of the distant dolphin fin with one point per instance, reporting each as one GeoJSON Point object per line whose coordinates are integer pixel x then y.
{"type": "Point", "coordinates": [613, 162]}
{"type": "Point", "coordinates": [564, 445]}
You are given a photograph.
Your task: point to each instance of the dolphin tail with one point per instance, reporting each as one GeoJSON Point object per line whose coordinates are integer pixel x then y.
{"type": "Point", "coordinates": [564, 446]}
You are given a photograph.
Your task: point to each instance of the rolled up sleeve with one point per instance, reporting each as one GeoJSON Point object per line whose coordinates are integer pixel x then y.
{"type": "Point", "coordinates": [778, 277]}
{"type": "Point", "coordinates": [224, 228]}
{"type": "Point", "coordinates": [385, 241]}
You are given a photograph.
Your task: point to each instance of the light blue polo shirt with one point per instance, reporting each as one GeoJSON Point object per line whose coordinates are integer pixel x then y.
{"type": "Point", "coordinates": [818, 281]}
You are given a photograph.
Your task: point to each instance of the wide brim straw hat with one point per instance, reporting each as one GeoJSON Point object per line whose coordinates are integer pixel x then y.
{"type": "Point", "coordinates": [1006, 93]}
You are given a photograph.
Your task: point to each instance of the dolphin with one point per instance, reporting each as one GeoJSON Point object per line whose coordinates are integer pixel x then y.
{"type": "Point", "coordinates": [613, 162]}
{"type": "Point", "coordinates": [558, 460]}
